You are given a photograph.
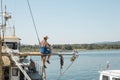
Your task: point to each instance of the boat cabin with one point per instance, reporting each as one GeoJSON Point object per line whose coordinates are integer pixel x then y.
{"type": "Point", "coordinates": [12, 42]}
{"type": "Point", "coordinates": [110, 75]}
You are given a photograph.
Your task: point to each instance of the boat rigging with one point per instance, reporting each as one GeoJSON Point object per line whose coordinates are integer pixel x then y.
{"type": "Point", "coordinates": [33, 20]}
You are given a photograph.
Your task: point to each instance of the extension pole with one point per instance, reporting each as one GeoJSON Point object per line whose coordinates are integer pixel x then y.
{"type": "Point", "coordinates": [43, 71]}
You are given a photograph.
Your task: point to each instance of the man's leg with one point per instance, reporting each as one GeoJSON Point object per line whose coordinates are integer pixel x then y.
{"type": "Point", "coordinates": [48, 58]}
{"type": "Point", "coordinates": [43, 61]}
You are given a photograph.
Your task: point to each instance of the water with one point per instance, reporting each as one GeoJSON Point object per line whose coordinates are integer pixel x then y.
{"type": "Point", "coordinates": [86, 67]}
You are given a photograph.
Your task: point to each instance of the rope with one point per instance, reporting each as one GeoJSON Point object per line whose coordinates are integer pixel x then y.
{"type": "Point", "coordinates": [33, 21]}
{"type": "Point", "coordinates": [34, 25]}
{"type": "Point", "coordinates": [67, 68]}
{"type": "Point", "coordinates": [64, 71]}
{"type": "Point", "coordinates": [73, 58]}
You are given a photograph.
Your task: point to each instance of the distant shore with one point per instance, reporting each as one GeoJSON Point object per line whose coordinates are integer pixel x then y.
{"type": "Point", "coordinates": [60, 50]}
{"type": "Point", "coordinates": [72, 47]}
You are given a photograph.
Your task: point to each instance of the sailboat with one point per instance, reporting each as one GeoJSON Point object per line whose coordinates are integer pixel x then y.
{"type": "Point", "coordinates": [13, 64]}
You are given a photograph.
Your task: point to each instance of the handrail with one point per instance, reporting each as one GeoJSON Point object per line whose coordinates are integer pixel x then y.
{"type": "Point", "coordinates": [38, 67]}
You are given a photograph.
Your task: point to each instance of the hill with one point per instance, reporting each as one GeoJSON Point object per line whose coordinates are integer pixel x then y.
{"type": "Point", "coordinates": [109, 43]}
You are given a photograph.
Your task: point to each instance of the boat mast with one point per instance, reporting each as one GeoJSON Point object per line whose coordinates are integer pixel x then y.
{"type": "Point", "coordinates": [4, 17]}
{"type": "Point", "coordinates": [1, 63]}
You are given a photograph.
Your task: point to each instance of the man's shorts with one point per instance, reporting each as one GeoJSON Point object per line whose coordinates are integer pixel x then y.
{"type": "Point", "coordinates": [45, 50]}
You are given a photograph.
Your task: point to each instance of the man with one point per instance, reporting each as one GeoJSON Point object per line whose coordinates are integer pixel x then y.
{"type": "Point", "coordinates": [45, 49]}
{"type": "Point", "coordinates": [32, 66]}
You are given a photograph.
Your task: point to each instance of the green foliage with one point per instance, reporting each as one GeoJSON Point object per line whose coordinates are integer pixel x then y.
{"type": "Point", "coordinates": [32, 48]}
{"type": "Point", "coordinates": [63, 47]}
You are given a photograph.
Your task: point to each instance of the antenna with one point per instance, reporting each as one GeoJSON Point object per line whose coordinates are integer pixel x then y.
{"type": "Point", "coordinates": [14, 31]}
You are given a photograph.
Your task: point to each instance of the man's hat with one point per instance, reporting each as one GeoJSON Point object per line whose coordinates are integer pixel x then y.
{"type": "Point", "coordinates": [46, 37]}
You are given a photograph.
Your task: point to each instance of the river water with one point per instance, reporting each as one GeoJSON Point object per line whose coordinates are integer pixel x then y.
{"type": "Point", "coordinates": [86, 66]}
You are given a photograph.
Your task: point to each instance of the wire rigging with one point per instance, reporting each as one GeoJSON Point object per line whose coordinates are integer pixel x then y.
{"type": "Point", "coordinates": [73, 58]}
{"type": "Point", "coordinates": [33, 21]}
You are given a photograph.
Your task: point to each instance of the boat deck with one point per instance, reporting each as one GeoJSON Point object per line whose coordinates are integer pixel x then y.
{"type": "Point", "coordinates": [113, 73]}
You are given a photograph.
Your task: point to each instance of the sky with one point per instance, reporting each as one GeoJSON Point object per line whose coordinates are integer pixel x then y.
{"type": "Point", "coordinates": [66, 21]}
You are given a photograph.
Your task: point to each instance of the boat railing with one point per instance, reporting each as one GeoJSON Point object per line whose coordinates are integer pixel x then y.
{"type": "Point", "coordinates": [111, 73]}
{"type": "Point", "coordinates": [9, 31]}
{"type": "Point", "coordinates": [38, 66]}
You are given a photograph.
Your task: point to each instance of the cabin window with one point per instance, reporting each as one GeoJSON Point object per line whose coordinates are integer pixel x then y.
{"type": "Point", "coordinates": [14, 72]}
{"type": "Point", "coordinates": [12, 45]}
{"type": "Point", "coordinates": [106, 78]}
{"type": "Point", "coordinates": [115, 78]}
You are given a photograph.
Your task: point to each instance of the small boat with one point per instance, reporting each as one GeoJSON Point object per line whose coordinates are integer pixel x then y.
{"type": "Point", "coordinates": [110, 75]}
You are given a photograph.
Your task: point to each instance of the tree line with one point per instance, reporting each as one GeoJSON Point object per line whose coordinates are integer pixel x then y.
{"type": "Point", "coordinates": [63, 47]}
